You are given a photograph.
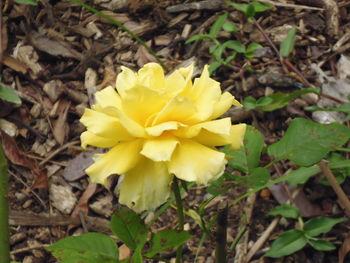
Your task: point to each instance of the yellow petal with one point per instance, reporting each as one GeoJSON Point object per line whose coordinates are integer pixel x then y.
{"type": "Point", "coordinates": [145, 187]}
{"type": "Point", "coordinates": [119, 160]}
{"type": "Point", "coordinates": [234, 139]}
{"type": "Point", "coordinates": [141, 102]}
{"type": "Point", "coordinates": [187, 71]}
{"type": "Point", "coordinates": [89, 138]}
{"type": "Point", "coordinates": [174, 83]}
{"type": "Point", "coordinates": [126, 80]}
{"type": "Point", "coordinates": [108, 97]}
{"type": "Point", "coordinates": [178, 80]}
{"type": "Point", "coordinates": [204, 93]}
{"type": "Point", "coordinates": [221, 126]}
{"type": "Point", "coordinates": [131, 126]}
{"type": "Point", "coordinates": [224, 104]}
{"type": "Point", "coordinates": [104, 125]}
{"type": "Point", "coordinates": [151, 76]}
{"type": "Point", "coordinates": [160, 128]}
{"type": "Point", "coordinates": [178, 109]}
{"type": "Point", "coordinates": [192, 161]}
{"type": "Point", "coordinates": [159, 149]}
{"type": "Point", "coordinates": [237, 135]}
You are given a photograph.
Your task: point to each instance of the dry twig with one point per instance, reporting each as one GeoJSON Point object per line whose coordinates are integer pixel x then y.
{"type": "Point", "coordinates": [343, 199]}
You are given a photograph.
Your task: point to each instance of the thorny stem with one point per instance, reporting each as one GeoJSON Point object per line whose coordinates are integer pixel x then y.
{"type": "Point", "coordinates": [180, 215]}
{"type": "Point", "coordinates": [4, 211]}
{"type": "Point", "coordinates": [343, 199]}
{"type": "Point", "coordinates": [221, 233]}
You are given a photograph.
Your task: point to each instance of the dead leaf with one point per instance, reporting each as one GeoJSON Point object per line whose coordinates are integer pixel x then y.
{"type": "Point", "coordinates": [124, 252]}
{"type": "Point", "coordinates": [344, 249]}
{"type": "Point", "coordinates": [76, 167]}
{"type": "Point", "coordinates": [282, 193]}
{"type": "Point", "coordinates": [53, 47]}
{"type": "Point", "coordinates": [13, 153]}
{"type": "Point", "coordinates": [82, 205]}
{"type": "Point", "coordinates": [60, 126]}
{"type": "Point", "coordinates": [17, 157]}
{"type": "Point", "coordinates": [41, 180]}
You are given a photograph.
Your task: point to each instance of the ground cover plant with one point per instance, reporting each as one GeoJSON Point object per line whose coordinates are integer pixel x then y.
{"type": "Point", "coordinates": [175, 131]}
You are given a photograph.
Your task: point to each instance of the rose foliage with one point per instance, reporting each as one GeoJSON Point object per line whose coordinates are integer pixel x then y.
{"type": "Point", "coordinates": [157, 127]}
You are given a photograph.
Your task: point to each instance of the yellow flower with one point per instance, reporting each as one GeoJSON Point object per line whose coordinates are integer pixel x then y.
{"type": "Point", "coordinates": [158, 127]}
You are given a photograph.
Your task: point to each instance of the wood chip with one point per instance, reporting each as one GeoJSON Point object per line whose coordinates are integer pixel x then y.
{"type": "Point", "coordinates": [28, 56]}
{"type": "Point", "coordinates": [60, 126]}
{"type": "Point", "coordinates": [62, 198]}
{"type": "Point", "coordinates": [53, 47]}
{"type": "Point", "coordinates": [19, 218]}
{"type": "Point", "coordinates": [90, 85]}
{"type": "Point", "coordinates": [15, 64]}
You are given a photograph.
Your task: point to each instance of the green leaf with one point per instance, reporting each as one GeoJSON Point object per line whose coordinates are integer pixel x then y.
{"type": "Point", "coordinates": [340, 171]}
{"type": "Point", "coordinates": [26, 2]}
{"type": "Point", "coordinates": [287, 243]}
{"type": "Point", "coordinates": [231, 57]}
{"type": "Point", "coordinates": [235, 45]}
{"type": "Point", "coordinates": [165, 239]}
{"type": "Point", "coordinates": [249, 103]}
{"type": "Point", "coordinates": [287, 45]}
{"type": "Point", "coordinates": [214, 66]}
{"type": "Point", "coordinates": [87, 248]}
{"type": "Point", "coordinates": [279, 100]}
{"type": "Point", "coordinates": [248, 156]}
{"type": "Point", "coordinates": [198, 37]}
{"type": "Point", "coordinates": [217, 186]}
{"type": "Point", "coordinates": [128, 226]}
{"type": "Point", "coordinates": [216, 27]}
{"type": "Point", "coordinates": [257, 177]}
{"type": "Point", "coordinates": [285, 210]}
{"type": "Point", "coordinates": [321, 245]}
{"type": "Point", "coordinates": [261, 7]}
{"type": "Point", "coordinates": [264, 101]}
{"type": "Point", "coordinates": [9, 94]}
{"type": "Point", "coordinates": [251, 9]}
{"type": "Point", "coordinates": [217, 51]}
{"type": "Point", "coordinates": [319, 225]}
{"type": "Point", "coordinates": [137, 255]}
{"type": "Point", "coordinates": [302, 174]}
{"type": "Point", "coordinates": [229, 26]}
{"type": "Point", "coordinates": [251, 48]}
{"type": "Point", "coordinates": [306, 142]}
{"type": "Point", "coordinates": [240, 7]}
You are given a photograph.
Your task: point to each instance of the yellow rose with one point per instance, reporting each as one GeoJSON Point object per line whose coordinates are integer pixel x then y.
{"type": "Point", "coordinates": [158, 127]}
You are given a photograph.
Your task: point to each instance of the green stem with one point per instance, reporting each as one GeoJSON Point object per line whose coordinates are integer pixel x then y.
{"type": "Point", "coordinates": [4, 211]}
{"type": "Point", "coordinates": [180, 215]}
{"type": "Point", "coordinates": [122, 27]}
